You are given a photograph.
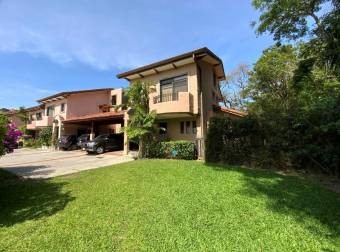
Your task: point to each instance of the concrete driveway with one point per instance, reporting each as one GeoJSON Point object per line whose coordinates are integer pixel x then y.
{"type": "Point", "coordinates": [33, 163]}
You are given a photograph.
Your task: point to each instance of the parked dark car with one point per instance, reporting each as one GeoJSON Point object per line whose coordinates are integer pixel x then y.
{"type": "Point", "coordinates": [68, 142]}
{"type": "Point", "coordinates": [105, 142]}
{"type": "Point", "coordinates": [82, 141]}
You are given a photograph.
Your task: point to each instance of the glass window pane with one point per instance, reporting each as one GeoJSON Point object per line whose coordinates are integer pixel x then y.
{"type": "Point", "coordinates": [194, 127]}
{"type": "Point", "coordinates": [187, 127]}
{"type": "Point", "coordinates": [182, 127]}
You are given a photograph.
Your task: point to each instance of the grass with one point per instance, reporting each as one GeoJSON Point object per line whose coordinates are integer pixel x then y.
{"type": "Point", "coordinates": [168, 205]}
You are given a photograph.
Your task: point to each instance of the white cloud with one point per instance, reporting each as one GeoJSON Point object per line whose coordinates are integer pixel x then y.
{"type": "Point", "coordinates": [107, 34]}
{"type": "Point", "coordinates": [18, 93]}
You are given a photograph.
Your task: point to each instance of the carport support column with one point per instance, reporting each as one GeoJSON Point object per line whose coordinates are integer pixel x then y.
{"type": "Point", "coordinates": [126, 139]}
{"type": "Point", "coordinates": [92, 131]}
{"type": "Point", "coordinates": [59, 129]}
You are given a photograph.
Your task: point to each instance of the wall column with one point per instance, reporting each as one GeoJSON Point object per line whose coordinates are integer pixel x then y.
{"type": "Point", "coordinates": [59, 129]}
{"type": "Point", "coordinates": [92, 131]}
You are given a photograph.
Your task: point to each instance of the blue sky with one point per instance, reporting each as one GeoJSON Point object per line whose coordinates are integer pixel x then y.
{"type": "Point", "coordinates": [53, 46]}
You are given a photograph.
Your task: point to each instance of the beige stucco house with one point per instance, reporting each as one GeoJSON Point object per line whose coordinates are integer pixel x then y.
{"type": "Point", "coordinates": [187, 93]}
{"type": "Point", "coordinates": [187, 96]}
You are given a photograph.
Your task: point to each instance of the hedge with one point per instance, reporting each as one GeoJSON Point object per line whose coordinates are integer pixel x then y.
{"type": "Point", "coordinates": [235, 142]}
{"type": "Point", "coordinates": [253, 142]}
{"type": "Point", "coordinates": [172, 150]}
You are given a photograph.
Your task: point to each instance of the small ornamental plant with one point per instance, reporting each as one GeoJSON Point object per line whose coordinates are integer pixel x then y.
{"type": "Point", "coordinates": [11, 138]}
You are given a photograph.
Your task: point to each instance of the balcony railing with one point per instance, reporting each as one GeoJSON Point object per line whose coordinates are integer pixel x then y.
{"type": "Point", "coordinates": [165, 98]}
{"type": "Point", "coordinates": [181, 102]}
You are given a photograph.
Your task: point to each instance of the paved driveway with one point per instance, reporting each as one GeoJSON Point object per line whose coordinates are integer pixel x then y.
{"type": "Point", "coordinates": [32, 163]}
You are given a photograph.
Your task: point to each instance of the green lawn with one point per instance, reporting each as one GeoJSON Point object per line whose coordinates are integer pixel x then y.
{"type": "Point", "coordinates": [168, 205]}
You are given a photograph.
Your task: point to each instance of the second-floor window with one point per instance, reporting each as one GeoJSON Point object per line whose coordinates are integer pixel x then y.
{"type": "Point", "coordinates": [50, 111]}
{"type": "Point", "coordinates": [169, 88]}
{"type": "Point", "coordinates": [38, 116]}
{"type": "Point", "coordinates": [62, 107]}
{"type": "Point", "coordinates": [114, 100]}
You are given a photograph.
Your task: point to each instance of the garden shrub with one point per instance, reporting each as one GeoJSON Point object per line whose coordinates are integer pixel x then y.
{"type": "Point", "coordinates": [12, 137]}
{"type": "Point", "coordinates": [233, 141]}
{"type": "Point", "coordinates": [45, 136]}
{"type": "Point", "coordinates": [3, 130]}
{"type": "Point", "coordinates": [173, 150]}
{"type": "Point", "coordinates": [32, 143]}
{"type": "Point", "coordinates": [254, 142]}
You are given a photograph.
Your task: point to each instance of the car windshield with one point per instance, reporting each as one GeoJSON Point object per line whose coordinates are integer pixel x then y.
{"type": "Point", "coordinates": [101, 137]}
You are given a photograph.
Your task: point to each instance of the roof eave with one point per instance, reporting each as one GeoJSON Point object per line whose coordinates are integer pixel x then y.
{"type": "Point", "coordinates": [193, 54]}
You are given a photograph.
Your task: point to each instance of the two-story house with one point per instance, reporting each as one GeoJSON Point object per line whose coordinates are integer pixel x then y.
{"type": "Point", "coordinates": [187, 93]}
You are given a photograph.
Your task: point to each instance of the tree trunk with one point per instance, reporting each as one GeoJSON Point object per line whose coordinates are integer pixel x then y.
{"type": "Point", "coordinates": [141, 148]}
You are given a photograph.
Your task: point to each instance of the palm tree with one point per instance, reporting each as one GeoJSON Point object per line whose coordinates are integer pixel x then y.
{"type": "Point", "coordinates": [141, 124]}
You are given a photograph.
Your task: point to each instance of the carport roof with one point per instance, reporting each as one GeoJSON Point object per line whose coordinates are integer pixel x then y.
{"type": "Point", "coordinates": [96, 117]}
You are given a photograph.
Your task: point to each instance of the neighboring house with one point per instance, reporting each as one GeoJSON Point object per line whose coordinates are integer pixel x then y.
{"type": "Point", "coordinates": [187, 96]}
{"type": "Point", "coordinates": [59, 110]}
{"type": "Point", "coordinates": [187, 93]}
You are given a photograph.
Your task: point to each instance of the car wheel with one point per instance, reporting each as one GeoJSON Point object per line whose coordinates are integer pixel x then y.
{"type": "Point", "coordinates": [100, 150]}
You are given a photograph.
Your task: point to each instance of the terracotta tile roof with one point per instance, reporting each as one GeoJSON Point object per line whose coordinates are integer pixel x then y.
{"type": "Point", "coordinates": [95, 117]}
{"type": "Point", "coordinates": [233, 112]}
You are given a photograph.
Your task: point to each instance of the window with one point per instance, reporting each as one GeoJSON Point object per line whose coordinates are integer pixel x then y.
{"type": "Point", "coordinates": [187, 127]}
{"type": "Point", "coordinates": [62, 107]}
{"type": "Point", "coordinates": [170, 88]}
{"type": "Point", "coordinates": [182, 127]}
{"type": "Point", "coordinates": [163, 128]}
{"type": "Point", "coordinates": [50, 111]}
{"type": "Point", "coordinates": [38, 116]}
{"type": "Point", "coordinates": [114, 100]}
{"type": "Point", "coordinates": [194, 127]}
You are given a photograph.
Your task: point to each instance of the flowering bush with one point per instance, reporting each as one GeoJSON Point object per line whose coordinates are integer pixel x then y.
{"type": "Point", "coordinates": [11, 138]}
{"type": "Point", "coordinates": [3, 129]}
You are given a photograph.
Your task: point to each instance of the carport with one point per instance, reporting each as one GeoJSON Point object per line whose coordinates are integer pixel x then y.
{"type": "Point", "coordinates": [99, 123]}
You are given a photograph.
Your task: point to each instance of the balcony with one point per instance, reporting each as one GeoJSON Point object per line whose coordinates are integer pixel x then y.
{"type": "Point", "coordinates": [173, 103]}
{"type": "Point", "coordinates": [44, 122]}
{"type": "Point", "coordinates": [30, 125]}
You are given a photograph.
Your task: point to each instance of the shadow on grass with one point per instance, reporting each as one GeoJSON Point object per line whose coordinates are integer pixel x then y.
{"type": "Point", "coordinates": [292, 196]}
{"type": "Point", "coordinates": [28, 199]}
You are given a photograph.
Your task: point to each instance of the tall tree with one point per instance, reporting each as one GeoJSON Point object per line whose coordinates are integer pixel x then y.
{"type": "Point", "coordinates": [289, 18]}
{"type": "Point", "coordinates": [295, 19]}
{"type": "Point", "coordinates": [233, 87]}
{"type": "Point", "coordinates": [272, 74]}
{"type": "Point", "coordinates": [141, 124]}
